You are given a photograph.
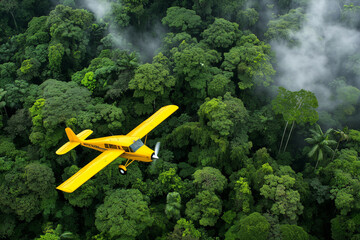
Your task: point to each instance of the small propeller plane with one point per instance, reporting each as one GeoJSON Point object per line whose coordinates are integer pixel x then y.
{"type": "Point", "coordinates": [127, 146]}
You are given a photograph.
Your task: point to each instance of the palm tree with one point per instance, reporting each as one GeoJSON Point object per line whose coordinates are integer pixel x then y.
{"type": "Point", "coordinates": [321, 144]}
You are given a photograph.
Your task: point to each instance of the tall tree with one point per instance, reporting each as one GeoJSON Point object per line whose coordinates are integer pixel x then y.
{"type": "Point", "coordinates": [193, 69]}
{"type": "Point", "coordinates": [124, 214]}
{"type": "Point", "coordinates": [204, 8]}
{"type": "Point", "coordinates": [184, 230]}
{"type": "Point", "coordinates": [135, 8]}
{"type": "Point", "coordinates": [7, 73]}
{"type": "Point", "coordinates": [242, 197]}
{"type": "Point", "coordinates": [71, 28]}
{"type": "Point", "coordinates": [173, 205]}
{"type": "Point", "coordinates": [182, 20]}
{"type": "Point", "coordinates": [152, 82]}
{"type": "Point", "coordinates": [110, 72]}
{"type": "Point", "coordinates": [210, 179]}
{"type": "Point", "coordinates": [221, 34]}
{"type": "Point", "coordinates": [296, 107]}
{"type": "Point", "coordinates": [250, 62]}
{"type": "Point", "coordinates": [252, 227]}
{"type": "Point", "coordinates": [293, 232]}
{"type": "Point", "coordinates": [27, 189]}
{"type": "Point", "coordinates": [205, 208]}
{"type": "Point", "coordinates": [282, 27]}
{"type": "Point", "coordinates": [342, 176]}
{"type": "Point", "coordinates": [10, 6]}
{"type": "Point", "coordinates": [286, 200]}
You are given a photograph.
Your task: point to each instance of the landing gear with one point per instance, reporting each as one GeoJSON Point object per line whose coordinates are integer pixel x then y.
{"type": "Point", "coordinates": [122, 170]}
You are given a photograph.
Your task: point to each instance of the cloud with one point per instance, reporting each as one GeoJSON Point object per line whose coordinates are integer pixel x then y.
{"type": "Point", "coordinates": [99, 7]}
{"type": "Point", "coordinates": [147, 42]}
{"type": "Point", "coordinates": [144, 42]}
{"type": "Point", "coordinates": [324, 45]}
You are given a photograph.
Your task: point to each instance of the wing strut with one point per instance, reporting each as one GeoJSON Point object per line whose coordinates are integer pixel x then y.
{"type": "Point", "coordinates": [128, 162]}
{"type": "Point", "coordinates": [145, 139]}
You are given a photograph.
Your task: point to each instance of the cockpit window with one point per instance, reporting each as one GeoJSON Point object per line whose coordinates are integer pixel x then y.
{"type": "Point", "coordinates": [136, 145]}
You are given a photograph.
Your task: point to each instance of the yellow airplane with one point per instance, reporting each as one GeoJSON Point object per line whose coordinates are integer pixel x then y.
{"type": "Point", "coordinates": [127, 146]}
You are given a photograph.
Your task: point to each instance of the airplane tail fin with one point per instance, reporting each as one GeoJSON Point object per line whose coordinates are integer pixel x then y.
{"type": "Point", "coordinates": [74, 140]}
{"type": "Point", "coordinates": [71, 135]}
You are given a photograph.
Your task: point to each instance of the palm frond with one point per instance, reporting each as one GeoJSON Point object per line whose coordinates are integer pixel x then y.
{"type": "Point", "coordinates": [314, 132]}
{"type": "Point", "coordinates": [329, 131]}
{"type": "Point", "coordinates": [319, 130]}
{"type": "Point", "coordinates": [321, 155]}
{"type": "Point", "coordinates": [67, 235]}
{"type": "Point", "coordinates": [313, 150]}
{"type": "Point", "coordinates": [331, 142]}
{"type": "Point", "coordinates": [310, 140]}
{"type": "Point", "coordinates": [328, 149]}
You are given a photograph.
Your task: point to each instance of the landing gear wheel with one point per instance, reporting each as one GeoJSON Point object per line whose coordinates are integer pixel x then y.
{"type": "Point", "coordinates": [122, 170]}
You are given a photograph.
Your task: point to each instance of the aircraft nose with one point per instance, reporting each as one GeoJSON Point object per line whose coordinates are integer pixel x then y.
{"type": "Point", "coordinates": [146, 151]}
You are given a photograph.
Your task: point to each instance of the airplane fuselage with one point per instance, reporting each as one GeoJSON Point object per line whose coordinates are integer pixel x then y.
{"type": "Point", "coordinates": [134, 148]}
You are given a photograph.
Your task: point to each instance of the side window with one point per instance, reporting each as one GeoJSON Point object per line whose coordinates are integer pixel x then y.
{"type": "Point", "coordinates": [112, 146]}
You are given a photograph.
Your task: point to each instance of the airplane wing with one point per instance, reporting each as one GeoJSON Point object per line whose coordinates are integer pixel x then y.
{"type": "Point", "coordinates": [150, 123]}
{"type": "Point", "coordinates": [89, 170]}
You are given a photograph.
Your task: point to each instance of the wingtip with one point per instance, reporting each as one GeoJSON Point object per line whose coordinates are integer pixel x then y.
{"type": "Point", "coordinates": [174, 107]}
{"type": "Point", "coordinates": [60, 151]}
{"type": "Point", "coordinates": [64, 189]}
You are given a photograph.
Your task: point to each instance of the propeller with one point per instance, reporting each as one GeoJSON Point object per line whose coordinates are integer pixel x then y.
{"type": "Point", "coordinates": [156, 151]}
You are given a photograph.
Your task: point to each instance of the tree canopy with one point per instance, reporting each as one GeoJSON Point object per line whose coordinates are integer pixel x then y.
{"type": "Point", "coordinates": [261, 147]}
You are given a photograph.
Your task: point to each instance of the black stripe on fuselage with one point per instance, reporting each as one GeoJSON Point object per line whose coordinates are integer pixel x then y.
{"type": "Point", "coordinates": [94, 146]}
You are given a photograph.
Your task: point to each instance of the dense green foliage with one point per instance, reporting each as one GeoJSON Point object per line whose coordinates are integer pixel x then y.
{"type": "Point", "coordinates": [242, 158]}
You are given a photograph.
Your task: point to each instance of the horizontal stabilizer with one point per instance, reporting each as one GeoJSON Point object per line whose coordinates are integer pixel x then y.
{"type": "Point", "coordinates": [84, 134]}
{"type": "Point", "coordinates": [67, 147]}
{"type": "Point", "coordinates": [74, 140]}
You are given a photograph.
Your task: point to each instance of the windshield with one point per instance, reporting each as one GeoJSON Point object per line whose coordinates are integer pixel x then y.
{"type": "Point", "coordinates": [136, 145]}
